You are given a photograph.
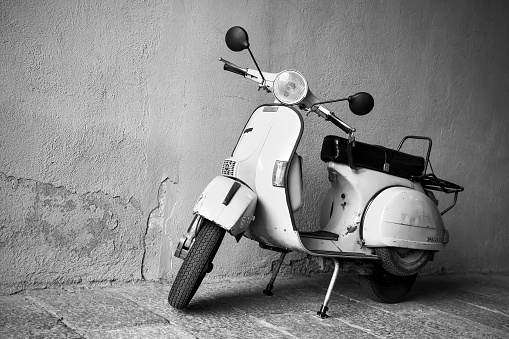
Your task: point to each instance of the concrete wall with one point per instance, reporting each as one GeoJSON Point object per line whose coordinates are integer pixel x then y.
{"type": "Point", "coordinates": [115, 115]}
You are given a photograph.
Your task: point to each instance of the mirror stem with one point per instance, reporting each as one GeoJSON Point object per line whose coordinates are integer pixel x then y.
{"type": "Point", "coordinates": [316, 104]}
{"type": "Point", "coordinates": [329, 101]}
{"type": "Point", "coordinates": [257, 67]}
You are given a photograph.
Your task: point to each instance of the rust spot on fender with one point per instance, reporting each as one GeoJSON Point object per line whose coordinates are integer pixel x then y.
{"type": "Point", "coordinates": [350, 229]}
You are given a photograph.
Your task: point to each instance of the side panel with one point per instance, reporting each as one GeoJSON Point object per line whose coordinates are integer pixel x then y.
{"type": "Point", "coordinates": [245, 156]}
{"type": "Point", "coordinates": [344, 206]}
{"type": "Point", "coordinates": [403, 217]}
{"type": "Point", "coordinates": [233, 216]}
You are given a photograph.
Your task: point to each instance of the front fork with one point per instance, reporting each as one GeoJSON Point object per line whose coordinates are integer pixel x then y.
{"type": "Point", "coordinates": [186, 241]}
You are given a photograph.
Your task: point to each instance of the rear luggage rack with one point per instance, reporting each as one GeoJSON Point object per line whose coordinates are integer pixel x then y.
{"type": "Point", "coordinates": [429, 181]}
{"type": "Point", "coordinates": [430, 143]}
{"type": "Point", "coordinates": [432, 183]}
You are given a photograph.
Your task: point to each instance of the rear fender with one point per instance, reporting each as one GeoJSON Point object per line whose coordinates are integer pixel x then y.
{"type": "Point", "coordinates": [406, 218]}
{"type": "Point", "coordinates": [229, 203]}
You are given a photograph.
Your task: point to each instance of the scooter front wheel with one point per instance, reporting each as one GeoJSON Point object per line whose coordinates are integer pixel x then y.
{"type": "Point", "coordinates": [196, 265]}
{"type": "Point", "coordinates": [386, 287]}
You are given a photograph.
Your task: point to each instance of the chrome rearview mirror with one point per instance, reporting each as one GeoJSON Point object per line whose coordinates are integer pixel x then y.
{"type": "Point", "coordinates": [237, 40]}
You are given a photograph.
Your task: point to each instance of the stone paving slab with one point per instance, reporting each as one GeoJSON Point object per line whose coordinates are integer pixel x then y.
{"type": "Point", "coordinates": [435, 319]}
{"type": "Point", "coordinates": [309, 326]}
{"type": "Point", "coordinates": [458, 298]}
{"type": "Point", "coordinates": [20, 318]}
{"type": "Point", "coordinates": [90, 310]}
{"type": "Point", "coordinates": [206, 317]}
{"type": "Point", "coordinates": [456, 306]}
{"type": "Point", "coordinates": [145, 332]}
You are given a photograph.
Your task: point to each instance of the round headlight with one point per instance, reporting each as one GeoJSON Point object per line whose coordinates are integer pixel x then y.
{"type": "Point", "coordinates": [290, 87]}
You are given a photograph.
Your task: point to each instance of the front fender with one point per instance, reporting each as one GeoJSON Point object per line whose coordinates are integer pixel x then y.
{"type": "Point", "coordinates": [227, 202]}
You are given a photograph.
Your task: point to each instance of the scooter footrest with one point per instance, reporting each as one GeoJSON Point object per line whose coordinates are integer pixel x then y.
{"type": "Point", "coordinates": [322, 235]}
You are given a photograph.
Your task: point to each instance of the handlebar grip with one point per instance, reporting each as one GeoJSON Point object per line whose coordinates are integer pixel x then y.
{"type": "Point", "coordinates": [234, 69]}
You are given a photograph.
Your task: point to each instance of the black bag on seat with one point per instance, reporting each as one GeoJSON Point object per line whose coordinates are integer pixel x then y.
{"type": "Point", "coordinates": [373, 157]}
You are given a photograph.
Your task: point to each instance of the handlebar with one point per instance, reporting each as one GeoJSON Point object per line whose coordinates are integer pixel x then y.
{"type": "Point", "coordinates": [251, 74]}
{"type": "Point", "coordinates": [340, 123]}
{"type": "Point", "coordinates": [307, 104]}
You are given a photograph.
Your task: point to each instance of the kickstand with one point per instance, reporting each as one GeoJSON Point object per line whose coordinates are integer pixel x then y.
{"type": "Point", "coordinates": [322, 313]}
{"type": "Point", "coordinates": [270, 286]}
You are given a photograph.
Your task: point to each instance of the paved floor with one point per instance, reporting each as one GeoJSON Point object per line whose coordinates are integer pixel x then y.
{"type": "Point", "coordinates": [453, 306]}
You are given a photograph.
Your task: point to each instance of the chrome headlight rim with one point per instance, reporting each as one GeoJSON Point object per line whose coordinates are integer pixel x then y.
{"type": "Point", "coordinates": [283, 80]}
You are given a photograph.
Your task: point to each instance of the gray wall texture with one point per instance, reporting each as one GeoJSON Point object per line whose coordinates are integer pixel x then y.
{"type": "Point", "coordinates": [116, 114]}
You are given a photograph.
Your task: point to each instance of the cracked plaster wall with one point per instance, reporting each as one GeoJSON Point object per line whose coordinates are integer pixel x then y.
{"type": "Point", "coordinates": [51, 234]}
{"type": "Point", "coordinates": [122, 105]}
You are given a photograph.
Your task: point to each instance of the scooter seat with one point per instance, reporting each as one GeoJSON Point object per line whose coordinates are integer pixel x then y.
{"type": "Point", "coordinates": [373, 157]}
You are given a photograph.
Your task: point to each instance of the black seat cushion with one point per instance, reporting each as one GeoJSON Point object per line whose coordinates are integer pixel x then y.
{"type": "Point", "coordinates": [373, 157]}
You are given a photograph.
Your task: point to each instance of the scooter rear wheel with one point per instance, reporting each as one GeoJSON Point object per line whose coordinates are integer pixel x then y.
{"type": "Point", "coordinates": [196, 265]}
{"type": "Point", "coordinates": [386, 287]}
{"type": "Point", "coordinates": [402, 261]}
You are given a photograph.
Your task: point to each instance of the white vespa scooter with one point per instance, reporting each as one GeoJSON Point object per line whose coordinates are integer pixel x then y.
{"type": "Point", "coordinates": [379, 219]}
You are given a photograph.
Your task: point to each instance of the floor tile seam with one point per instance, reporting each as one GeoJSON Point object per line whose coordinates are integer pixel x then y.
{"type": "Point", "coordinates": [486, 328]}
{"type": "Point", "coordinates": [125, 296]}
{"type": "Point", "coordinates": [360, 328]}
{"type": "Point", "coordinates": [257, 314]}
{"type": "Point", "coordinates": [81, 329]}
{"type": "Point", "coordinates": [270, 326]}
{"type": "Point", "coordinates": [52, 312]}
{"type": "Point", "coordinates": [462, 293]}
{"type": "Point", "coordinates": [478, 325]}
{"type": "Point", "coordinates": [168, 321]}
{"type": "Point", "coordinates": [44, 306]}
{"type": "Point", "coordinates": [176, 329]}
{"type": "Point", "coordinates": [429, 331]}
{"type": "Point", "coordinates": [483, 308]}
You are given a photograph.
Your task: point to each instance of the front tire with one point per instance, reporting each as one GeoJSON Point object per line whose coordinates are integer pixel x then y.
{"type": "Point", "coordinates": [402, 261]}
{"type": "Point", "coordinates": [196, 265]}
{"type": "Point", "coordinates": [386, 287]}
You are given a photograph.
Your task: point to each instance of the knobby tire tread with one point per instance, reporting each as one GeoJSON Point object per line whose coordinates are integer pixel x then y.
{"type": "Point", "coordinates": [194, 267]}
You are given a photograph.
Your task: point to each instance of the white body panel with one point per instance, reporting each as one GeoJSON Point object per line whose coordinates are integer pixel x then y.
{"type": "Point", "coordinates": [272, 134]}
{"type": "Point", "coordinates": [276, 131]}
{"type": "Point", "coordinates": [402, 217]}
{"type": "Point", "coordinates": [344, 206]}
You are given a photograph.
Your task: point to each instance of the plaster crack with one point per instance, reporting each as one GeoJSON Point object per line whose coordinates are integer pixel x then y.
{"type": "Point", "coordinates": [154, 233]}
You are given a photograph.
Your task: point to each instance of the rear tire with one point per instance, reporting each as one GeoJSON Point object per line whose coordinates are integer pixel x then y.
{"type": "Point", "coordinates": [386, 287]}
{"type": "Point", "coordinates": [196, 265]}
{"type": "Point", "coordinates": [402, 261]}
